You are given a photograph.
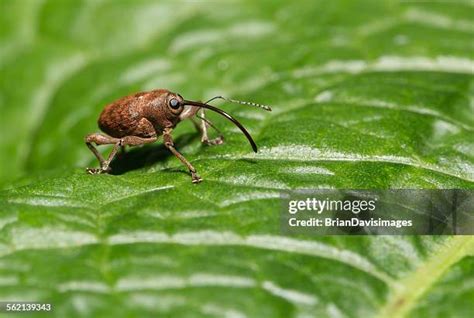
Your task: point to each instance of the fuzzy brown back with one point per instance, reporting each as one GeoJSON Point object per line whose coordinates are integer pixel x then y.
{"type": "Point", "coordinates": [124, 117]}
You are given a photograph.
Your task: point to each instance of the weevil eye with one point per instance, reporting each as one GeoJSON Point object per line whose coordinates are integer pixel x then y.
{"type": "Point", "coordinates": [174, 103]}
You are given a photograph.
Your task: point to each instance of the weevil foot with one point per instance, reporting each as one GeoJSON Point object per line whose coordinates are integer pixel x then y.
{"type": "Point", "coordinates": [213, 142]}
{"type": "Point", "coordinates": [92, 170]}
{"type": "Point", "coordinates": [97, 170]}
{"type": "Point", "coordinates": [195, 178]}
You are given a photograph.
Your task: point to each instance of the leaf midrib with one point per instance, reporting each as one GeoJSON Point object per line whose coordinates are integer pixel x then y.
{"type": "Point", "coordinates": [410, 289]}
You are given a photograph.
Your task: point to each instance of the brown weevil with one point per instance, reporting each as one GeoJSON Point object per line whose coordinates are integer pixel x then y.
{"type": "Point", "coordinates": [141, 118]}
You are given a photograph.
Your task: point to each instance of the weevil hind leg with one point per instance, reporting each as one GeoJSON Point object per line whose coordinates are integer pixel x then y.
{"type": "Point", "coordinates": [101, 139]}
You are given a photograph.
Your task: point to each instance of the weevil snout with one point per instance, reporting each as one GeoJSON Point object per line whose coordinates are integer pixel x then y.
{"type": "Point", "coordinates": [198, 105]}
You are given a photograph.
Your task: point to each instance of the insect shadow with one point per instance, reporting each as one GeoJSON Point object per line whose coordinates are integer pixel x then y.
{"type": "Point", "coordinates": [140, 157]}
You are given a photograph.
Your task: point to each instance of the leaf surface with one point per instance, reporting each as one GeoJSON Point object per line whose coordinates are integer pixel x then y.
{"type": "Point", "coordinates": [365, 94]}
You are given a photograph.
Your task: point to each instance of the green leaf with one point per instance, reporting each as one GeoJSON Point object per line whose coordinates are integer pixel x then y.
{"type": "Point", "coordinates": [365, 95]}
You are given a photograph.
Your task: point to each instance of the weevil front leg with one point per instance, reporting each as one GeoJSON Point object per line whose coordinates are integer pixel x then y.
{"type": "Point", "coordinates": [100, 139]}
{"type": "Point", "coordinates": [205, 124]}
{"type": "Point", "coordinates": [168, 140]}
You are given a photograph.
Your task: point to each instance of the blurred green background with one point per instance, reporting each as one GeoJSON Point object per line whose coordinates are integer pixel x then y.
{"type": "Point", "coordinates": [365, 94]}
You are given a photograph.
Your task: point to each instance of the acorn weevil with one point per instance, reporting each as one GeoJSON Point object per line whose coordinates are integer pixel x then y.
{"type": "Point", "coordinates": [141, 118]}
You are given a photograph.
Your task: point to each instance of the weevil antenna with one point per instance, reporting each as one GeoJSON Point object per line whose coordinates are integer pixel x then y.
{"type": "Point", "coordinates": [264, 107]}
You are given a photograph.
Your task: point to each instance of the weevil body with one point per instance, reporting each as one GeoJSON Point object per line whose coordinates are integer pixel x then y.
{"type": "Point", "coordinates": [143, 117]}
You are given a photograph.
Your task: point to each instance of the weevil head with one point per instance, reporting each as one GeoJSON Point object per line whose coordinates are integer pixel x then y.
{"type": "Point", "coordinates": [169, 103]}
{"type": "Point", "coordinates": [174, 106]}
{"type": "Point", "coordinates": [168, 109]}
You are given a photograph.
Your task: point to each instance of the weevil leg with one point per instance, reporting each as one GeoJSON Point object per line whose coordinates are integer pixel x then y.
{"type": "Point", "coordinates": [100, 139]}
{"type": "Point", "coordinates": [168, 140]}
{"type": "Point", "coordinates": [206, 123]}
{"type": "Point", "coordinates": [129, 141]}
{"type": "Point", "coordinates": [137, 141]}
